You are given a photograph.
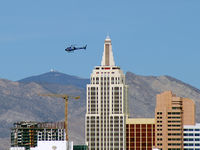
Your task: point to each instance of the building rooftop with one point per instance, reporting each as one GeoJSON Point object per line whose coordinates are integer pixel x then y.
{"type": "Point", "coordinates": [140, 121]}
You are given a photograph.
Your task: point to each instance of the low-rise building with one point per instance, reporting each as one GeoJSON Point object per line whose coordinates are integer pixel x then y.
{"type": "Point", "coordinates": [26, 134]}
{"type": "Point", "coordinates": [140, 133]}
{"type": "Point", "coordinates": [191, 137]}
{"type": "Point", "coordinates": [80, 147]}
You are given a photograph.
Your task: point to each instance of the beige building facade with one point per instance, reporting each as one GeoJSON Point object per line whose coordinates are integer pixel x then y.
{"type": "Point", "coordinates": [171, 113]}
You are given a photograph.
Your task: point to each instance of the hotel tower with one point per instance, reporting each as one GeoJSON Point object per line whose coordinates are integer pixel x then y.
{"type": "Point", "coordinates": [171, 114]}
{"type": "Point", "coordinates": [106, 105]}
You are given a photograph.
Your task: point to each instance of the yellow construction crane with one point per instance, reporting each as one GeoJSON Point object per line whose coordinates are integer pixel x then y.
{"type": "Point", "coordinates": [65, 97]}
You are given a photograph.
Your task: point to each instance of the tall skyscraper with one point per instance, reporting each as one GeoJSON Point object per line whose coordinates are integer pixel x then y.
{"type": "Point", "coordinates": [106, 105]}
{"type": "Point", "coordinates": [171, 114]}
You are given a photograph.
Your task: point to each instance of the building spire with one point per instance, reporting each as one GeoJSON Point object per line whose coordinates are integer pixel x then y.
{"type": "Point", "coordinates": [107, 59]}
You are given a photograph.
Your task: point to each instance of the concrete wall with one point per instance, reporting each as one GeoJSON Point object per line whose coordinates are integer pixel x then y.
{"type": "Point", "coordinates": [17, 148]}
{"type": "Point", "coordinates": [53, 145]}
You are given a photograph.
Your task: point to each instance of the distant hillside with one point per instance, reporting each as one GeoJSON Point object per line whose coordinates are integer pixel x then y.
{"type": "Point", "coordinates": [143, 91]}
{"type": "Point", "coordinates": [55, 77]}
{"type": "Point", "coordinates": [20, 101]}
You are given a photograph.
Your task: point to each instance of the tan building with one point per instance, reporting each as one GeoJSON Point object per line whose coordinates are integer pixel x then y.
{"type": "Point", "coordinates": [171, 114]}
{"type": "Point", "coordinates": [189, 112]}
{"type": "Point", "coordinates": [140, 134]}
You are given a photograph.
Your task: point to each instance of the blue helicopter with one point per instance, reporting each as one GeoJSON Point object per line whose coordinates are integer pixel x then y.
{"type": "Point", "coordinates": [72, 48]}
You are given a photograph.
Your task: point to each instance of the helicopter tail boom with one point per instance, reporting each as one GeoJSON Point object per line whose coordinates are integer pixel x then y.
{"type": "Point", "coordinates": [85, 46]}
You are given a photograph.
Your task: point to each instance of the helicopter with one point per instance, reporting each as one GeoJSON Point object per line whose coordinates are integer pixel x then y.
{"type": "Point", "coordinates": [72, 48]}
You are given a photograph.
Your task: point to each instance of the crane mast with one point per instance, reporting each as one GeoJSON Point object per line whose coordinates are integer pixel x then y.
{"type": "Point", "coordinates": [65, 97]}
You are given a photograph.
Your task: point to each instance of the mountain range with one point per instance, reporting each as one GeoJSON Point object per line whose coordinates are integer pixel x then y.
{"type": "Point", "coordinates": [19, 100]}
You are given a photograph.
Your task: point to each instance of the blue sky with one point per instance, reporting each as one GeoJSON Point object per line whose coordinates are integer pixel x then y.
{"type": "Point", "coordinates": [148, 37]}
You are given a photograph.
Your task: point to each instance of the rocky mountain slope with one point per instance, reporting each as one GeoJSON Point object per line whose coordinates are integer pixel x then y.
{"type": "Point", "coordinates": [20, 101]}
{"type": "Point", "coordinates": [143, 90]}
